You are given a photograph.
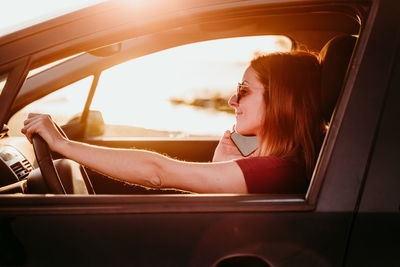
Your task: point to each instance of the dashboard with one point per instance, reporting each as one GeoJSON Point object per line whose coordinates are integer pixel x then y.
{"type": "Point", "coordinates": [14, 165]}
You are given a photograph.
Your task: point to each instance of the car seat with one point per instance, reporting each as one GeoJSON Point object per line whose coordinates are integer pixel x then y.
{"type": "Point", "coordinates": [335, 57]}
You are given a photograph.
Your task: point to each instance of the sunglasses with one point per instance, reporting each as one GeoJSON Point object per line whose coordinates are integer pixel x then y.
{"type": "Point", "coordinates": [241, 90]}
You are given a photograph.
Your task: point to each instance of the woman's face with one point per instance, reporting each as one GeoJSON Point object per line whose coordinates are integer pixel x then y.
{"type": "Point", "coordinates": [249, 104]}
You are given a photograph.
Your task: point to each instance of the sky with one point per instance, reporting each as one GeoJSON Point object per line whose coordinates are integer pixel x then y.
{"type": "Point", "coordinates": [17, 14]}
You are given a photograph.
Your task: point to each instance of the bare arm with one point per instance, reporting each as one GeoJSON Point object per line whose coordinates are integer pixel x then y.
{"type": "Point", "coordinates": [140, 166]}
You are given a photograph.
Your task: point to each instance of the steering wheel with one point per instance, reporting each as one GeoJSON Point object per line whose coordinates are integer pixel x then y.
{"type": "Point", "coordinates": [46, 165]}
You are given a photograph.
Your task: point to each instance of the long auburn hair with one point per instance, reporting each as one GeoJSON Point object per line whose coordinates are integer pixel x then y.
{"type": "Point", "coordinates": [293, 123]}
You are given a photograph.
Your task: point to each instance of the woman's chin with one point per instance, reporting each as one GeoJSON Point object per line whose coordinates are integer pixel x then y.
{"type": "Point", "coordinates": [243, 131]}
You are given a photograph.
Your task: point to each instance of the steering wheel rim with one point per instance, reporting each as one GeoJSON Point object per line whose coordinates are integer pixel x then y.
{"type": "Point", "coordinates": [46, 165]}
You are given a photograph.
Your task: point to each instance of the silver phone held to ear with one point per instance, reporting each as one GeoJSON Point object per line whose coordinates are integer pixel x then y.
{"type": "Point", "coordinates": [246, 144]}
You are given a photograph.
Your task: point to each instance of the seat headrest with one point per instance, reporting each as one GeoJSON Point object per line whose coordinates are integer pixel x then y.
{"type": "Point", "coordinates": [335, 57]}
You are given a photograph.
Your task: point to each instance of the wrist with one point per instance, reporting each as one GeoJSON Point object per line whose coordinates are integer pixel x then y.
{"type": "Point", "coordinates": [61, 146]}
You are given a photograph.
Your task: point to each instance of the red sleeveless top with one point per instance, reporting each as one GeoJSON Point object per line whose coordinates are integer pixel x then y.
{"type": "Point", "coordinates": [272, 175]}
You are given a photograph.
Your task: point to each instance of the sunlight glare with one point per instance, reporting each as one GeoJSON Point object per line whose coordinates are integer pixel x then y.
{"type": "Point", "coordinates": [19, 14]}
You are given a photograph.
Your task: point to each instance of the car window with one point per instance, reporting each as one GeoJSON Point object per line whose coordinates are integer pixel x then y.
{"type": "Point", "coordinates": [62, 105]}
{"type": "Point", "coordinates": [179, 92]}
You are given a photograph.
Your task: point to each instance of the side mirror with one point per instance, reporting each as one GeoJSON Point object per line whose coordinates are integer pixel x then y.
{"type": "Point", "coordinates": [94, 124]}
{"type": "Point", "coordinates": [92, 127]}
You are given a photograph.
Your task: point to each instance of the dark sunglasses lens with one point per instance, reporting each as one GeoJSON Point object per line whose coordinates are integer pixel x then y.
{"type": "Point", "coordinates": [239, 91]}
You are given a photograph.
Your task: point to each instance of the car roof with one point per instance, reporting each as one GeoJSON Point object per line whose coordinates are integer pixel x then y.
{"type": "Point", "coordinates": [123, 17]}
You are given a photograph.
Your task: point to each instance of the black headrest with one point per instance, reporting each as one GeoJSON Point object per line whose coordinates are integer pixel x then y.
{"type": "Point", "coordinates": [335, 57]}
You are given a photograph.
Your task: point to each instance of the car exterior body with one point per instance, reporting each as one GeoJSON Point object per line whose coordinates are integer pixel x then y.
{"type": "Point", "coordinates": [350, 214]}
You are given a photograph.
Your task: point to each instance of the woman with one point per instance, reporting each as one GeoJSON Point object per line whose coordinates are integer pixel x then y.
{"type": "Point", "coordinates": [278, 101]}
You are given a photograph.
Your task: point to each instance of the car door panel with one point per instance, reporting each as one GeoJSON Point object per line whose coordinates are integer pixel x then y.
{"type": "Point", "coordinates": [145, 238]}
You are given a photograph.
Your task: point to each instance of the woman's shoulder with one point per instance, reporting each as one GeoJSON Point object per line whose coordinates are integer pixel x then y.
{"type": "Point", "coordinates": [268, 174]}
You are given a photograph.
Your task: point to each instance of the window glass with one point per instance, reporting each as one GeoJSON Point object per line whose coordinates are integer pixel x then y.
{"type": "Point", "coordinates": [179, 92]}
{"type": "Point", "coordinates": [62, 105]}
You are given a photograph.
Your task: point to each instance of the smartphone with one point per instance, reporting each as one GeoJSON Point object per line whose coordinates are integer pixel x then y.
{"type": "Point", "coordinates": [246, 144]}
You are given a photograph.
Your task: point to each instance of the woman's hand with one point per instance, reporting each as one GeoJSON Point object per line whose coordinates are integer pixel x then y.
{"type": "Point", "coordinates": [226, 149]}
{"type": "Point", "coordinates": [43, 125]}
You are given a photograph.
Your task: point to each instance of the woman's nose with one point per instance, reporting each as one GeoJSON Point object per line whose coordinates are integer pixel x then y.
{"type": "Point", "coordinates": [233, 101]}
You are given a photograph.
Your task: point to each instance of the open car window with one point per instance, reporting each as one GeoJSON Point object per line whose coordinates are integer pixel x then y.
{"type": "Point", "coordinates": [63, 105]}
{"type": "Point", "coordinates": [176, 93]}
{"type": "Point", "coordinates": [179, 92]}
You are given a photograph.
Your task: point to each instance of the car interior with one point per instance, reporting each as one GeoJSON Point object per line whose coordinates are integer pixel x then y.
{"type": "Point", "coordinates": [330, 31]}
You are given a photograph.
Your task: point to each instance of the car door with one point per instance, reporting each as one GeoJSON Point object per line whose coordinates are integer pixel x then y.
{"type": "Point", "coordinates": [375, 234]}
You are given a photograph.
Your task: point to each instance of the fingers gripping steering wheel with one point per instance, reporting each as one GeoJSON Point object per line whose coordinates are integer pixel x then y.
{"type": "Point", "coordinates": [46, 165]}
